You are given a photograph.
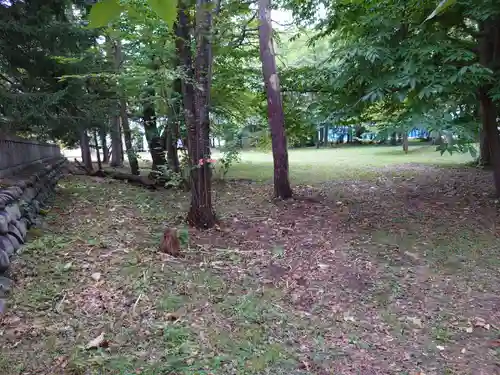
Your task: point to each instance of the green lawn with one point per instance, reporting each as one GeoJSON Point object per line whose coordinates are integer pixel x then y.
{"type": "Point", "coordinates": [320, 165]}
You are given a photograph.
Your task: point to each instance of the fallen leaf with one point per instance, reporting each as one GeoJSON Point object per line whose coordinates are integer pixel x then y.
{"type": "Point", "coordinates": [67, 266]}
{"type": "Point", "coordinates": [98, 342]}
{"type": "Point", "coordinates": [349, 318]}
{"type": "Point", "coordinates": [416, 321]}
{"type": "Point", "coordinates": [96, 276]}
{"type": "Point", "coordinates": [480, 322]}
{"type": "Point", "coordinates": [172, 317]}
{"type": "Point", "coordinates": [495, 344]}
{"type": "Point", "coordinates": [412, 255]}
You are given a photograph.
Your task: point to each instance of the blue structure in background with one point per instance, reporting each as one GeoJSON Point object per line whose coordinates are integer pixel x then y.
{"type": "Point", "coordinates": [342, 133]}
{"type": "Point", "coordinates": [418, 133]}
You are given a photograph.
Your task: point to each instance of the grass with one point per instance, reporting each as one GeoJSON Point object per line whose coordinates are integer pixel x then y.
{"type": "Point", "coordinates": [401, 277]}
{"type": "Point", "coordinates": [310, 166]}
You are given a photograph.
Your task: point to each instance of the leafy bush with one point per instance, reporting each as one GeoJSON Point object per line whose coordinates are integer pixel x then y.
{"type": "Point", "coordinates": [230, 156]}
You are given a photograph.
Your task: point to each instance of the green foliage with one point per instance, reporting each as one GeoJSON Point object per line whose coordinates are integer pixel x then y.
{"type": "Point", "coordinates": [387, 65]}
{"type": "Point", "coordinates": [176, 180]}
{"type": "Point", "coordinates": [230, 156]}
{"type": "Point", "coordinates": [35, 99]}
{"type": "Point", "coordinates": [166, 9]}
{"type": "Point", "coordinates": [104, 12]}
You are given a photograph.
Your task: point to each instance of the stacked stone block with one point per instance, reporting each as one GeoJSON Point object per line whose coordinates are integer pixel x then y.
{"type": "Point", "coordinates": [20, 205]}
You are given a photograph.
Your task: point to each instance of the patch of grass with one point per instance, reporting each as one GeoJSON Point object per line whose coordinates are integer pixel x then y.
{"type": "Point", "coordinates": [171, 302]}
{"type": "Point", "coordinates": [5, 363]}
{"type": "Point", "coordinates": [310, 166]}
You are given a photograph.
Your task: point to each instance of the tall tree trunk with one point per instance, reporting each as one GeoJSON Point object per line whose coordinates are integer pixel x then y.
{"type": "Point", "coordinates": [104, 145]}
{"type": "Point", "coordinates": [326, 135]}
{"type": "Point", "coordinates": [98, 154]}
{"type": "Point", "coordinates": [484, 149]}
{"type": "Point", "coordinates": [489, 50]}
{"type": "Point", "coordinates": [127, 133]}
{"type": "Point", "coordinates": [121, 140]}
{"type": "Point", "coordinates": [405, 141]}
{"type": "Point", "coordinates": [394, 139]}
{"type": "Point", "coordinates": [116, 137]}
{"type": "Point", "coordinates": [274, 103]}
{"type": "Point", "coordinates": [201, 213]}
{"type": "Point", "coordinates": [488, 119]}
{"type": "Point", "coordinates": [171, 133]}
{"type": "Point", "coordinates": [153, 138]}
{"type": "Point", "coordinates": [85, 148]}
{"type": "Point", "coordinates": [116, 142]}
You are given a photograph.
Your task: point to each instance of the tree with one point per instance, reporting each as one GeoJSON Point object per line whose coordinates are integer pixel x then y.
{"type": "Point", "coordinates": [115, 51]}
{"type": "Point", "coordinates": [195, 101]}
{"type": "Point", "coordinates": [42, 49]}
{"type": "Point", "coordinates": [276, 116]}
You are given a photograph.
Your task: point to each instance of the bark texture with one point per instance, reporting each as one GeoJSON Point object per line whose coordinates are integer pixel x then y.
{"type": "Point", "coordinates": [171, 132]}
{"type": "Point", "coordinates": [484, 149]}
{"type": "Point", "coordinates": [104, 145]}
{"type": "Point", "coordinates": [405, 141]}
{"type": "Point", "coordinates": [127, 134]}
{"type": "Point", "coordinates": [489, 50]}
{"type": "Point", "coordinates": [195, 101]}
{"type": "Point", "coordinates": [115, 130]}
{"type": "Point", "coordinates": [85, 149]}
{"type": "Point", "coordinates": [97, 152]}
{"type": "Point", "coordinates": [276, 116]}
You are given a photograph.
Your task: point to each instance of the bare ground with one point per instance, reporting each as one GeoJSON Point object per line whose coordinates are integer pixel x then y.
{"type": "Point", "coordinates": [394, 276]}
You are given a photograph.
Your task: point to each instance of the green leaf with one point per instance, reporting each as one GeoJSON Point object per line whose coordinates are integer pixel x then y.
{"type": "Point", "coordinates": [442, 6]}
{"type": "Point", "coordinates": [166, 10]}
{"type": "Point", "coordinates": [103, 12]}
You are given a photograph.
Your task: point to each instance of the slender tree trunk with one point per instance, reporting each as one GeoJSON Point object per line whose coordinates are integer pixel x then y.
{"type": "Point", "coordinates": [171, 135]}
{"type": "Point", "coordinates": [85, 148]}
{"type": "Point", "coordinates": [326, 135]}
{"type": "Point", "coordinates": [490, 128]}
{"type": "Point", "coordinates": [154, 140]}
{"type": "Point", "coordinates": [484, 149]}
{"type": "Point", "coordinates": [394, 139]}
{"type": "Point", "coordinates": [274, 103]}
{"type": "Point", "coordinates": [489, 50]}
{"type": "Point", "coordinates": [98, 154]}
{"type": "Point", "coordinates": [127, 133]}
{"type": "Point", "coordinates": [116, 139]}
{"type": "Point", "coordinates": [122, 151]}
{"type": "Point", "coordinates": [116, 147]}
{"type": "Point", "coordinates": [104, 145]}
{"type": "Point", "coordinates": [405, 141]}
{"type": "Point", "coordinates": [201, 213]}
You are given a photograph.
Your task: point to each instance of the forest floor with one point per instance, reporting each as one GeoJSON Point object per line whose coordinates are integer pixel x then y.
{"type": "Point", "coordinates": [393, 275]}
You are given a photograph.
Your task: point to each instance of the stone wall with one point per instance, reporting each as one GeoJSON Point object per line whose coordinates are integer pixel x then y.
{"type": "Point", "coordinates": [21, 198]}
